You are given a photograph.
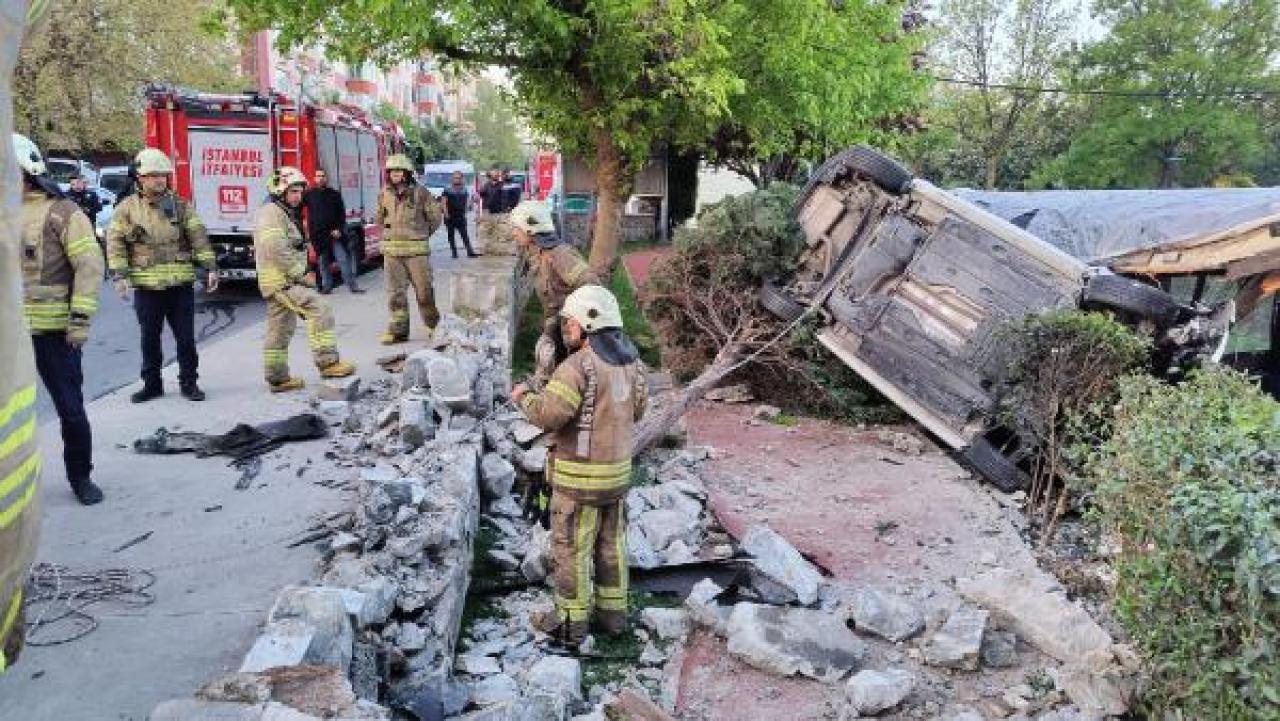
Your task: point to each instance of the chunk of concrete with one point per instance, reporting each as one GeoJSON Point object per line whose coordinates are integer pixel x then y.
{"type": "Point", "coordinates": [417, 420]}
{"type": "Point", "coordinates": [668, 623]}
{"type": "Point", "coordinates": [281, 643]}
{"type": "Point", "coordinates": [999, 649]}
{"type": "Point", "coordinates": [959, 641]}
{"type": "Point", "coordinates": [888, 616]}
{"type": "Point", "coordinates": [778, 561]}
{"type": "Point", "coordinates": [334, 412]}
{"type": "Point", "coordinates": [703, 607]}
{"type": "Point", "coordinates": [477, 665]}
{"type": "Point", "coordinates": [525, 432]}
{"type": "Point", "coordinates": [662, 526]}
{"type": "Point", "coordinates": [193, 710]}
{"type": "Point", "coordinates": [872, 692]}
{"type": "Point", "coordinates": [1034, 607]}
{"type": "Point", "coordinates": [559, 675]}
{"type": "Point", "coordinates": [449, 383]}
{"type": "Point", "coordinates": [340, 389]}
{"type": "Point", "coordinates": [533, 460]}
{"type": "Point", "coordinates": [322, 609]}
{"type": "Point", "coordinates": [790, 641]}
{"type": "Point", "coordinates": [497, 476]}
{"type": "Point", "coordinates": [500, 688]}
{"type": "Point", "coordinates": [640, 553]}
{"type": "Point", "coordinates": [322, 691]}
{"type": "Point", "coordinates": [379, 601]}
{"type": "Point", "coordinates": [236, 688]}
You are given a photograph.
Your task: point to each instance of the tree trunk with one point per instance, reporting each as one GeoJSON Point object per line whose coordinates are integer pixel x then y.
{"type": "Point", "coordinates": [655, 425]}
{"type": "Point", "coordinates": [991, 173]}
{"type": "Point", "coordinates": [613, 185]}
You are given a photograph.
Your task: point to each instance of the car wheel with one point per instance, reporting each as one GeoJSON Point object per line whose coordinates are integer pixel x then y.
{"type": "Point", "coordinates": [1130, 296]}
{"type": "Point", "coordinates": [780, 303]}
{"type": "Point", "coordinates": [994, 466]}
{"type": "Point", "coordinates": [877, 167]}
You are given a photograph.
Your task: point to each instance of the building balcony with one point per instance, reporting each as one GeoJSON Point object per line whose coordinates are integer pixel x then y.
{"type": "Point", "coordinates": [358, 86]}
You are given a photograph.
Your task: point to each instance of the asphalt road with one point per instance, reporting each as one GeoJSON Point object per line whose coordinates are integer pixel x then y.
{"type": "Point", "coordinates": [113, 357]}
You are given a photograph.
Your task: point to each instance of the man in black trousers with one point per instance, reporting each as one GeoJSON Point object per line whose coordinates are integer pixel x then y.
{"type": "Point", "coordinates": [457, 201]}
{"type": "Point", "coordinates": [326, 226]}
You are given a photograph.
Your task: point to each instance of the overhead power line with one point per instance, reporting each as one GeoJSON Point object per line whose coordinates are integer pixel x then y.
{"type": "Point", "coordinates": [1242, 94]}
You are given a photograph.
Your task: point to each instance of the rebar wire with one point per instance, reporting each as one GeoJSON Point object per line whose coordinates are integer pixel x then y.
{"type": "Point", "coordinates": [58, 600]}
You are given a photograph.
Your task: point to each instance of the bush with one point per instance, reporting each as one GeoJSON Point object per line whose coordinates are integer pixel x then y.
{"type": "Point", "coordinates": [1189, 481]}
{"type": "Point", "coordinates": [704, 297]}
{"type": "Point", "coordinates": [1057, 379]}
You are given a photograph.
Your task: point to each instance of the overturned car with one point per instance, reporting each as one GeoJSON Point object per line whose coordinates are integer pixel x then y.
{"type": "Point", "coordinates": [913, 284]}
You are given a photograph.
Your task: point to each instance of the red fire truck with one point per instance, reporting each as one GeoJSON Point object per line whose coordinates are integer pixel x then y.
{"type": "Point", "coordinates": [224, 147]}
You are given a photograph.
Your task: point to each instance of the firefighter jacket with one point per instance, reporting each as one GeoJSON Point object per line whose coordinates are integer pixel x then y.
{"type": "Point", "coordinates": [408, 216]}
{"type": "Point", "coordinates": [61, 265]}
{"type": "Point", "coordinates": [279, 250]}
{"type": "Point", "coordinates": [591, 406]}
{"type": "Point", "coordinates": [558, 271]}
{"type": "Point", "coordinates": [19, 457]}
{"type": "Point", "coordinates": [157, 243]}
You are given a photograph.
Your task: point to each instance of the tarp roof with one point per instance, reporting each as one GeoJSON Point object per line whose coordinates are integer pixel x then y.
{"type": "Point", "coordinates": [1094, 225]}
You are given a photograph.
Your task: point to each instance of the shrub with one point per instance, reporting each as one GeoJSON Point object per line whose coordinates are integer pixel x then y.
{"type": "Point", "coordinates": [1057, 378]}
{"type": "Point", "coordinates": [703, 297]}
{"type": "Point", "coordinates": [1189, 480]}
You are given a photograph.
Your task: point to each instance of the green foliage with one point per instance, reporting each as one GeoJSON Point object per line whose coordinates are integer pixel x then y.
{"type": "Point", "coordinates": [704, 294]}
{"type": "Point", "coordinates": [1058, 375]}
{"type": "Point", "coordinates": [1203, 51]}
{"type": "Point", "coordinates": [428, 142]}
{"type": "Point", "coordinates": [819, 76]}
{"type": "Point", "coordinates": [1189, 481]}
{"type": "Point", "coordinates": [79, 80]}
{"type": "Point", "coordinates": [493, 139]}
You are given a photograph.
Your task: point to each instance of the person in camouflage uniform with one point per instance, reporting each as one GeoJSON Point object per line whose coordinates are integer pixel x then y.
{"type": "Point", "coordinates": [591, 404]}
{"type": "Point", "coordinates": [155, 244]}
{"type": "Point", "coordinates": [408, 214]}
{"type": "Point", "coordinates": [279, 251]}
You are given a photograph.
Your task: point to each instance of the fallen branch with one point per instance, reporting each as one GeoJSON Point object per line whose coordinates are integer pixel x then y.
{"type": "Point", "coordinates": [654, 426]}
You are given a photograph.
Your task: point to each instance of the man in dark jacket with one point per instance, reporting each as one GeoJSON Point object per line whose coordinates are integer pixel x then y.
{"type": "Point", "coordinates": [456, 201]}
{"type": "Point", "coordinates": [492, 226]}
{"type": "Point", "coordinates": [87, 199]}
{"type": "Point", "coordinates": [512, 191]}
{"type": "Point", "coordinates": [326, 226]}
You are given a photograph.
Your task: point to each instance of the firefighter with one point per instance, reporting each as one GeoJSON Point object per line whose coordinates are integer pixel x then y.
{"type": "Point", "coordinates": [279, 249]}
{"type": "Point", "coordinates": [558, 269]}
{"type": "Point", "coordinates": [591, 404]}
{"type": "Point", "coordinates": [61, 271]}
{"type": "Point", "coordinates": [155, 244]}
{"type": "Point", "coordinates": [19, 457]}
{"type": "Point", "coordinates": [409, 214]}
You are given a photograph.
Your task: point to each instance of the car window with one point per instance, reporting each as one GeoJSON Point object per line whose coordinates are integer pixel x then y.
{"type": "Point", "coordinates": [62, 171]}
{"type": "Point", "coordinates": [114, 182]}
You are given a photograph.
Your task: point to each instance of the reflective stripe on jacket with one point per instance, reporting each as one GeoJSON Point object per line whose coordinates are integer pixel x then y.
{"type": "Point", "coordinates": [408, 217]}
{"type": "Point", "coordinates": [155, 249]}
{"type": "Point", "coordinates": [61, 264]}
{"type": "Point", "coordinates": [278, 250]}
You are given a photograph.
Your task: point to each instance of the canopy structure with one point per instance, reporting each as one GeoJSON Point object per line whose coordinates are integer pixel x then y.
{"type": "Point", "coordinates": [1158, 232]}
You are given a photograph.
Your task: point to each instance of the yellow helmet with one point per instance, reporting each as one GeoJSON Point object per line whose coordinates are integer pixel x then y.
{"type": "Point", "coordinates": [400, 161]}
{"type": "Point", "coordinates": [28, 155]}
{"type": "Point", "coordinates": [283, 177]}
{"type": "Point", "coordinates": [153, 162]}
{"type": "Point", "coordinates": [594, 307]}
{"type": "Point", "coordinates": [533, 216]}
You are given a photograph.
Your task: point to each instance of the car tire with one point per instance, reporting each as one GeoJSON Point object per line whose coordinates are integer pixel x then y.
{"type": "Point", "coordinates": [877, 167]}
{"type": "Point", "coordinates": [780, 303]}
{"type": "Point", "coordinates": [1123, 294]}
{"type": "Point", "coordinates": [994, 466]}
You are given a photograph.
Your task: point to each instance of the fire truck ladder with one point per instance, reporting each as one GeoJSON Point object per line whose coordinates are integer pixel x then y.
{"type": "Point", "coordinates": [287, 136]}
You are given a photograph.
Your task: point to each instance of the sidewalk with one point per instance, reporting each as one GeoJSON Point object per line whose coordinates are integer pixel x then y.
{"type": "Point", "coordinates": [219, 555]}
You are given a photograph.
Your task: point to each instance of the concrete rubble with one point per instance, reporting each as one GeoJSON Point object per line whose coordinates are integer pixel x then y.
{"type": "Point", "coordinates": [871, 692]}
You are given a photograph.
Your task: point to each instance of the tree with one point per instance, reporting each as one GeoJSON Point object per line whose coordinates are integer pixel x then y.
{"type": "Point", "coordinates": [493, 129]}
{"type": "Point", "coordinates": [819, 76]}
{"type": "Point", "coordinates": [79, 81]}
{"type": "Point", "coordinates": [605, 78]}
{"type": "Point", "coordinates": [999, 52]}
{"type": "Point", "coordinates": [427, 142]}
{"type": "Point", "coordinates": [1179, 108]}
{"type": "Point", "coordinates": [608, 79]}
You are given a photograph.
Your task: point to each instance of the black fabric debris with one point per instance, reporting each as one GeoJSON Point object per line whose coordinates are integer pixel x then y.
{"type": "Point", "coordinates": [240, 443]}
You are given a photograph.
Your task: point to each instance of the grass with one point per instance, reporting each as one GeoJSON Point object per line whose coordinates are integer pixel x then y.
{"type": "Point", "coordinates": [479, 606]}
{"type": "Point", "coordinates": [633, 320]}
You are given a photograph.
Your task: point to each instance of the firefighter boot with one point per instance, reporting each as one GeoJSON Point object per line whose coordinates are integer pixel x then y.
{"type": "Point", "coordinates": [286, 385]}
{"type": "Point", "coordinates": [389, 338]}
{"type": "Point", "coordinates": [339, 369]}
{"type": "Point", "coordinates": [563, 632]}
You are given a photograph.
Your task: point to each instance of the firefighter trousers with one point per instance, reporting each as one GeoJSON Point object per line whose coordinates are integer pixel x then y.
{"type": "Point", "coordinates": [589, 556]}
{"type": "Point", "coordinates": [284, 308]}
{"type": "Point", "coordinates": [402, 272]}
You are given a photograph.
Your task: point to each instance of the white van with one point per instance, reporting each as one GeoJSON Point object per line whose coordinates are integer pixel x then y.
{"type": "Point", "coordinates": [435, 176]}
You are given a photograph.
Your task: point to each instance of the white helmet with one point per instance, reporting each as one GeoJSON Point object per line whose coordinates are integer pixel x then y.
{"type": "Point", "coordinates": [28, 155]}
{"type": "Point", "coordinates": [594, 307]}
{"type": "Point", "coordinates": [533, 216]}
{"type": "Point", "coordinates": [283, 177]}
{"type": "Point", "coordinates": [152, 161]}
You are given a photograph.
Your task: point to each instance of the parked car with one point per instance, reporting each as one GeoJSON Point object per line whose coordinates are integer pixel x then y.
{"type": "Point", "coordinates": [912, 285]}
{"type": "Point", "coordinates": [436, 176]}
{"type": "Point", "coordinates": [62, 170]}
{"type": "Point", "coordinates": [114, 178]}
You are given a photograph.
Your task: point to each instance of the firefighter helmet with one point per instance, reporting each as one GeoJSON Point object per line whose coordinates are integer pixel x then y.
{"type": "Point", "coordinates": [594, 307]}
{"type": "Point", "coordinates": [400, 161]}
{"type": "Point", "coordinates": [28, 155]}
{"type": "Point", "coordinates": [533, 216]}
{"type": "Point", "coordinates": [283, 178]}
{"type": "Point", "coordinates": [153, 162]}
